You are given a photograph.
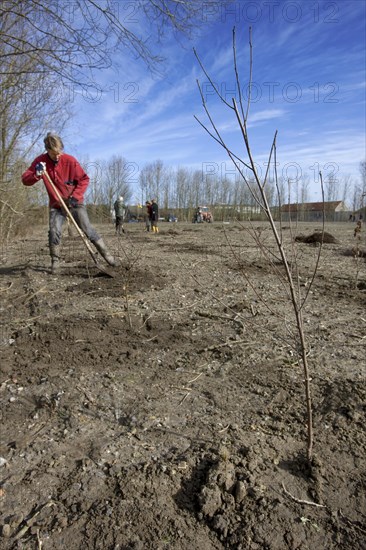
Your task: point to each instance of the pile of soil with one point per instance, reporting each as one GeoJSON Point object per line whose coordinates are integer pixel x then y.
{"type": "Point", "coordinates": [164, 408]}
{"type": "Point", "coordinates": [317, 237]}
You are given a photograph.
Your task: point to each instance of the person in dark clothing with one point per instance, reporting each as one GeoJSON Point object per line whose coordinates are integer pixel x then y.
{"type": "Point", "coordinates": [357, 231]}
{"type": "Point", "coordinates": [120, 211]}
{"type": "Point", "coordinates": [154, 216]}
{"type": "Point", "coordinates": [147, 216]}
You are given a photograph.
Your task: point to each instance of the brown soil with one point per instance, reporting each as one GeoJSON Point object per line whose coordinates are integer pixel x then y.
{"type": "Point", "coordinates": [164, 408]}
{"type": "Point", "coordinates": [316, 237]}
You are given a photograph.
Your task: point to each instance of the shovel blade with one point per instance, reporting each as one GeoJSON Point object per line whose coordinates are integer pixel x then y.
{"type": "Point", "coordinates": [105, 271]}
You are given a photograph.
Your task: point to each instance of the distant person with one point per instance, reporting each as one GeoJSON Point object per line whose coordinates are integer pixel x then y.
{"type": "Point", "coordinates": [147, 216]}
{"type": "Point", "coordinates": [154, 216]}
{"type": "Point", "coordinates": [357, 231]}
{"type": "Point", "coordinates": [71, 182]}
{"type": "Point", "coordinates": [198, 216]}
{"type": "Point", "coordinates": [120, 212]}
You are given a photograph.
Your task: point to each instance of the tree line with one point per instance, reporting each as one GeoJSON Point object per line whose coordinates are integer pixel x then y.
{"type": "Point", "coordinates": [185, 187]}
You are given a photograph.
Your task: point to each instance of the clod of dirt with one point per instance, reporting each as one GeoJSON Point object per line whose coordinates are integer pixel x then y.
{"type": "Point", "coordinates": [317, 237]}
{"type": "Point", "coordinates": [210, 500]}
{"type": "Point", "coordinates": [355, 252]}
{"type": "Point", "coordinates": [220, 480]}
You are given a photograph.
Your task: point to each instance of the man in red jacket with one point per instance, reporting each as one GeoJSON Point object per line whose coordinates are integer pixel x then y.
{"type": "Point", "coordinates": [71, 182]}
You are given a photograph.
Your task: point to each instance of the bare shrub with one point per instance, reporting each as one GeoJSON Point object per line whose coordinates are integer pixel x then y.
{"type": "Point", "coordinates": [289, 275]}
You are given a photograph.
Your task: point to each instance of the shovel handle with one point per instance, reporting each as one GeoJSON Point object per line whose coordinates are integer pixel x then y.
{"type": "Point", "coordinates": [70, 216]}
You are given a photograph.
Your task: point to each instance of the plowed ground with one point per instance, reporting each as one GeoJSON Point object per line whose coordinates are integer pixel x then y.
{"type": "Point", "coordinates": [164, 408]}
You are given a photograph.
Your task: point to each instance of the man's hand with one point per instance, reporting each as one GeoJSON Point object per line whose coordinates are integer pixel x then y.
{"type": "Point", "coordinates": [72, 202]}
{"type": "Point", "coordinates": [40, 168]}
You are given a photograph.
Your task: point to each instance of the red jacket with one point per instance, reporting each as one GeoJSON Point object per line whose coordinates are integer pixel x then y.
{"type": "Point", "coordinates": [67, 175]}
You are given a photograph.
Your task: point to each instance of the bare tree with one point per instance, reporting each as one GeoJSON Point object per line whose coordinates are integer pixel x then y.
{"type": "Point", "coordinates": [363, 184]}
{"type": "Point", "coordinates": [346, 185]}
{"type": "Point", "coordinates": [258, 189]}
{"type": "Point", "coordinates": [167, 189]}
{"type": "Point", "coordinates": [75, 38]}
{"type": "Point", "coordinates": [181, 187]}
{"type": "Point", "coordinates": [144, 186]}
{"type": "Point", "coordinates": [304, 188]}
{"type": "Point", "coordinates": [331, 188]}
{"type": "Point", "coordinates": [153, 179]}
{"type": "Point", "coordinates": [115, 180]}
{"type": "Point", "coordinates": [195, 197]}
{"type": "Point", "coordinates": [357, 193]}
{"type": "Point", "coordinates": [94, 194]}
{"type": "Point", "coordinates": [27, 106]}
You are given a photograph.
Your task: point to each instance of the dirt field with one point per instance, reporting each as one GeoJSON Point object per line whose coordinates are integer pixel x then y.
{"type": "Point", "coordinates": [164, 408]}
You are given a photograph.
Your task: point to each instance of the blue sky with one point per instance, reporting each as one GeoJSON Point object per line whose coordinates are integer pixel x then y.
{"type": "Point", "coordinates": [308, 83]}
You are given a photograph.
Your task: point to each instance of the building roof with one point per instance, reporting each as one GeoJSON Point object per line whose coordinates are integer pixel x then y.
{"type": "Point", "coordinates": [329, 206]}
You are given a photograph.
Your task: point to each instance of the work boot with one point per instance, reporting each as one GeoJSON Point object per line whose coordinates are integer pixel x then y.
{"type": "Point", "coordinates": [55, 258]}
{"type": "Point", "coordinates": [102, 249]}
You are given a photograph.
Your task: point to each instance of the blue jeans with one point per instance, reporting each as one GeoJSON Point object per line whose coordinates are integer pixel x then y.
{"type": "Point", "coordinates": [80, 215]}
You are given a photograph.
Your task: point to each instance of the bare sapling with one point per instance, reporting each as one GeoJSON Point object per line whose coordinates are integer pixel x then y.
{"type": "Point", "coordinates": [130, 256]}
{"type": "Point", "coordinates": [257, 187]}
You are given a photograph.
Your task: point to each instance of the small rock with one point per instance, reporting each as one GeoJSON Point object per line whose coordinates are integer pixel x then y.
{"type": "Point", "coordinates": [240, 491]}
{"type": "Point", "coordinates": [62, 521]}
{"type": "Point", "coordinates": [6, 530]}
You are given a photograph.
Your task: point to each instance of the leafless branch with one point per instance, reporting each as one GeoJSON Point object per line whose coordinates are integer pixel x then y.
{"type": "Point", "coordinates": [291, 272]}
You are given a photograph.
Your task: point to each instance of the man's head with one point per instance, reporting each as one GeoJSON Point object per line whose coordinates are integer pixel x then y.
{"type": "Point", "coordinates": [54, 146]}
